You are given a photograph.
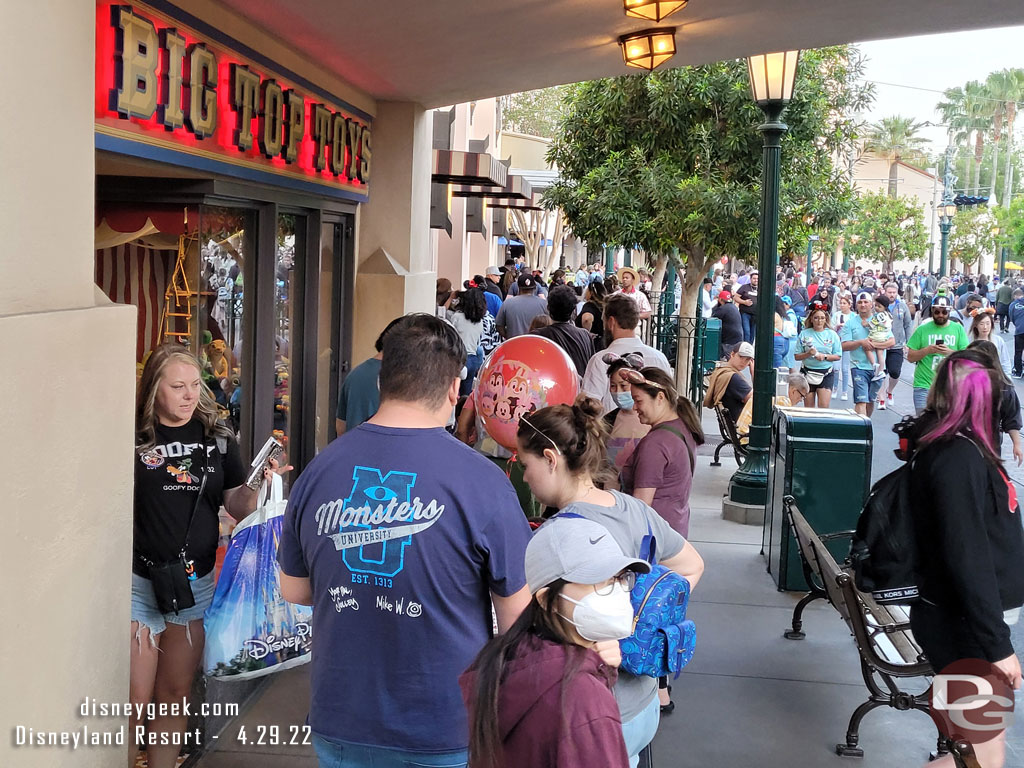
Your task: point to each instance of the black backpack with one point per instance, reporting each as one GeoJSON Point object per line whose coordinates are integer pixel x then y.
{"type": "Point", "coordinates": [883, 551]}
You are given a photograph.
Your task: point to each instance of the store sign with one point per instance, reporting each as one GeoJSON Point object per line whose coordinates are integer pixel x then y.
{"type": "Point", "coordinates": [160, 83]}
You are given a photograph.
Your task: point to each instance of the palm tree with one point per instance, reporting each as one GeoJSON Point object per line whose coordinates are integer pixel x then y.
{"type": "Point", "coordinates": [1008, 87]}
{"type": "Point", "coordinates": [895, 137]}
{"type": "Point", "coordinates": [968, 113]}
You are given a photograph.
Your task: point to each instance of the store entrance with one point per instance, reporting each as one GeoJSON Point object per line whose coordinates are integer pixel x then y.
{"type": "Point", "coordinates": [261, 293]}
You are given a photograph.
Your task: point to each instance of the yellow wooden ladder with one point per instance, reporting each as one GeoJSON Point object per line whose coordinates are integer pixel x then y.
{"type": "Point", "coordinates": [178, 300]}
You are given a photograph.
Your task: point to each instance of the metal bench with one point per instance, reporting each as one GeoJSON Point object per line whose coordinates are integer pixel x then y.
{"type": "Point", "coordinates": [888, 651]}
{"type": "Point", "coordinates": [727, 427]}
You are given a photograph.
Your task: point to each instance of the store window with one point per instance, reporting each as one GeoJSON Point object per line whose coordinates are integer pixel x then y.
{"type": "Point", "coordinates": [224, 246]}
{"type": "Point", "coordinates": [290, 249]}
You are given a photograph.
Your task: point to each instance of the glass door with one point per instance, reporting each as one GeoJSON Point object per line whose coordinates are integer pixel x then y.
{"type": "Point", "coordinates": [333, 340]}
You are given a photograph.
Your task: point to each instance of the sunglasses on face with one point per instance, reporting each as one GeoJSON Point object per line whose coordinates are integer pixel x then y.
{"type": "Point", "coordinates": [940, 311]}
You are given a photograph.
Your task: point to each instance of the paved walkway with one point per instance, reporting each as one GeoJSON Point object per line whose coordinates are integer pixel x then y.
{"type": "Point", "coordinates": [750, 697]}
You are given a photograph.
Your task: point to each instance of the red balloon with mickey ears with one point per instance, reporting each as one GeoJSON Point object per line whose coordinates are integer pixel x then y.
{"type": "Point", "coordinates": [523, 375]}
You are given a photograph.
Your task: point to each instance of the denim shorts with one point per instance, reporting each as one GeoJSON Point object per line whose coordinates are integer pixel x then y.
{"type": "Point", "coordinates": [337, 754]}
{"type": "Point", "coordinates": [145, 611]}
{"type": "Point", "coordinates": [864, 389]}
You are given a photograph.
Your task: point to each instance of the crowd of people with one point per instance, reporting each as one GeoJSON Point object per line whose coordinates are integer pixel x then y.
{"type": "Point", "coordinates": [467, 638]}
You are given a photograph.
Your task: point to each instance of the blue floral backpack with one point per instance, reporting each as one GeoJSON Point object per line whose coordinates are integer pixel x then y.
{"type": "Point", "coordinates": [663, 638]}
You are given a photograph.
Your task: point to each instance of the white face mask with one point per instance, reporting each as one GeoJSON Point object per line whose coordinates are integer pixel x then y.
{"type": "Point", "coordinates": [603, 617]}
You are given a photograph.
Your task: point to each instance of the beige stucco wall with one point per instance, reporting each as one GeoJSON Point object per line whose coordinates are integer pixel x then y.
{"type": "Point", "coordinates": [66, 409]}
{"type": "Point", "coordinates": [396, 220]}
{"type": "Point", "coordinates": [526, 151]}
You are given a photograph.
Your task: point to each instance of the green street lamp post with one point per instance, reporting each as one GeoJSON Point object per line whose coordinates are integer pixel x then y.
{"type": "Point", "coordinates": [946, 213]}
{"type": "Point", "coordinates": [771, 81]}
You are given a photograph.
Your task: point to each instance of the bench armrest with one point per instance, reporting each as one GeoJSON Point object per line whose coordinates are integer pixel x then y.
{"type": "Point", "coordinates": [836, 535]}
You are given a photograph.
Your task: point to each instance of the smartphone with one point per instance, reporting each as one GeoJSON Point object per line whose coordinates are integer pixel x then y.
{"type": "Point", "coordinates": [270, 450]}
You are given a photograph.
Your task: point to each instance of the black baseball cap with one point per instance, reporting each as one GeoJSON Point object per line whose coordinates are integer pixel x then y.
{"type": "Point", "coordinates": [526, 281]}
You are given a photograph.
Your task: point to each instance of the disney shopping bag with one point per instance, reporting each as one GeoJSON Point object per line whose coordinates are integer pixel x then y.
{"type": "Point", "coordinates": [250, 630]}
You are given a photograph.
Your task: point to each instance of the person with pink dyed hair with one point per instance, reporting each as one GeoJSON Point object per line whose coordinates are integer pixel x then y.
{"type": "Point", "coordinates": [968, 530]}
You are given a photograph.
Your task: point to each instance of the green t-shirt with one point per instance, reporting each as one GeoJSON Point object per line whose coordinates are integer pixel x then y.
{"type": "Point", "coordinates": [1005, 294]}
{"type": "Point", "coordinates": [952, 334]}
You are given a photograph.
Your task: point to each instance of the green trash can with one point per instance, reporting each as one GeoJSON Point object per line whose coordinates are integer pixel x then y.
{"type": "Point", "coordinates": [712, 341]}
{"type": "Point", "coordinates": [823, 459]}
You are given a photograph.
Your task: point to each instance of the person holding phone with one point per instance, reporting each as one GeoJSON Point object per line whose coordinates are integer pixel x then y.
{"type": "Point", "coordinates": [929, 345]}
{"type": "Point", "coordinates": [187, 465]}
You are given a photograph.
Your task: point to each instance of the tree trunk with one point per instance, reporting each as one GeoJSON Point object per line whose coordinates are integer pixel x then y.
{"type": "Point", "coordinates": [1011, 116]}
{"type": "Point", "coordinates": [556, 243]}
{"type": "Point", "coordinates": [692, 276]}
{"type": "Point", "coordinates": [996, 136]}
{"type": "Point", "coordinates": [979, 157]}
{"type": "Point", "coordinates": [894, 175]}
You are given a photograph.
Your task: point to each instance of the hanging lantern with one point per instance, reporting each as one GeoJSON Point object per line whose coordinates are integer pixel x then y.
{"type": "Point", "coordinates": [648, 48]}
{"type": "Point", "coordinates": [653, 10]}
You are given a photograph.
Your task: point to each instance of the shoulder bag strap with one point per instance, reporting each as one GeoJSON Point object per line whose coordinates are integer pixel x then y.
{"type": "Point", "coordinates": [669, 428]}
{"type": "Point", "coordinates": [199, 496]}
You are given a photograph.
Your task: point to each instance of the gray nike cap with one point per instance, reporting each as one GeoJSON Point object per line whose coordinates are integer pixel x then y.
{"type": "Point", "coordinates": [575, 549]}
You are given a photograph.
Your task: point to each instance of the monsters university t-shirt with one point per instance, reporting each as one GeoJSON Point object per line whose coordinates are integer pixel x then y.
{"type": "Point", "coordinates": [402, 533]}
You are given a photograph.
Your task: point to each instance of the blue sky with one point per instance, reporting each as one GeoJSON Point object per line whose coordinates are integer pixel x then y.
{"type": "Point", "coordinates": [935, 62]}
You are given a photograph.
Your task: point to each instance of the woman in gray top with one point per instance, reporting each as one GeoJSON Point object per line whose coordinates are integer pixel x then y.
{"type": "Point", "coordinates": [562, 451]}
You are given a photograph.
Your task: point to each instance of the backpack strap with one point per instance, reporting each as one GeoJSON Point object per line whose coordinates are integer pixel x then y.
{"type": "Point", "coordinates": [648, 545]}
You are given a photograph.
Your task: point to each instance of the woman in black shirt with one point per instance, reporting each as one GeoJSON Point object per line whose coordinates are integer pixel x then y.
{"type": "Point", "coordinates": [968, 528]}
{"type": "Point", "coordinates": [187, 465]}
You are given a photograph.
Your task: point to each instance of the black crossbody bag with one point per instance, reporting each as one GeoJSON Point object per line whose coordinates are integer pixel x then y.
{"type": "Point", "coordinates": [172, 581]}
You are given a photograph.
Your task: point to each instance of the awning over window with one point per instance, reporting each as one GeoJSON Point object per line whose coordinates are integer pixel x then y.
{"type": "Point", "coordinates": [532, 203]}
{"type": "Point", "coordinates": [515, 188]}
{"type": "Point", "coordinates": [476, 168]}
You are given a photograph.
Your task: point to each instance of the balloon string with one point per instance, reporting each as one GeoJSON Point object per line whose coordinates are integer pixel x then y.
{"type": "Point", "coordinates": [508, 466]}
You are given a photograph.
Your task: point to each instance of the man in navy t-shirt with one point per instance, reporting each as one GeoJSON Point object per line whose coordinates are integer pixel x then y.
{"type": "Point", "coordinates": [402, 538]}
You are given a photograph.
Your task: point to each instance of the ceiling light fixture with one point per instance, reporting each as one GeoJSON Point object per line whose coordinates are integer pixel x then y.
{"type": "Point", "coordinates": [653, 10]}
{"type": "Point", "coordinates": [648, 48]}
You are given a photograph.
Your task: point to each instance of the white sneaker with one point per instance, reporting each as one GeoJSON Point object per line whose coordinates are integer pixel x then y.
{"type": "Point", "coordinates": [881, 404]}
{"type": "Point", "coordinates": [889, 398]}
{"type": "Point", "coordinates": [844, 396]}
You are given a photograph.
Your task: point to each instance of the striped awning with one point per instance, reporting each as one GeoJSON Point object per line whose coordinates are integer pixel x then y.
{"type": "Point", "coordinates": [478, 168]}
{"type": "Point", "coordinates": [516, 188]}
{"type": "Point", "coordinates": [530, 204]}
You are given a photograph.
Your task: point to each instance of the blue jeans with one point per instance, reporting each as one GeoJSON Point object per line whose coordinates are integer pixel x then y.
{"type": "Point", "coordinates": [920, 400]}
{"type": "Point", "coordinates": [335, 754]}
{"type": "Point", "coordinates": [749, 326]}
{"type": "Point", "coordinates": [843, 382]}
{"type": "Point", "coordinates": [780, 349]}
{"type": "Point", "coordinates": [639, 732]}
{"type": "Point", "coordinates": [473, 364]}
{"type": "Point", "coordinates": [864, 389]}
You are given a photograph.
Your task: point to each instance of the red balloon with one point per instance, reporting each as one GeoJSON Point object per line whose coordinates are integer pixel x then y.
{"type": "Point", "coordinates": [523, 375]}
{"type": "Point", "coordinates": [724, 260]}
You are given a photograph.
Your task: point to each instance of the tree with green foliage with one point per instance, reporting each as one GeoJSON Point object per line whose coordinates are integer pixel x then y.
{"type": "Point", "coordinates": [896, 138]}
{"type": "Point", "coordinates": [972, 236]}
{"type": "Point", "coordinates": [886, 229]}
{"type": "Point", "coordinates": [670, 162]}
{"type": "Point", "coordinates": [1011, 221]}
{"type": "Point", "coordinates": [535, 113]}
